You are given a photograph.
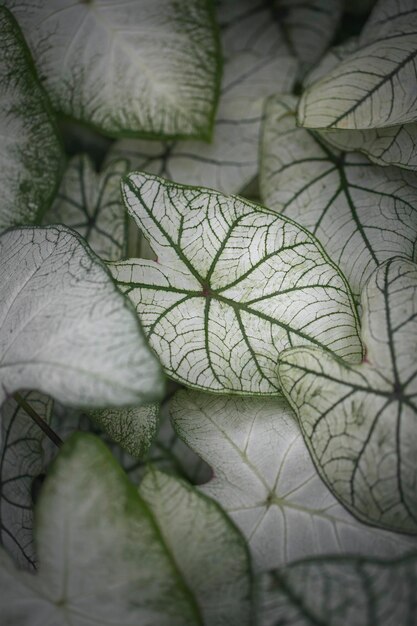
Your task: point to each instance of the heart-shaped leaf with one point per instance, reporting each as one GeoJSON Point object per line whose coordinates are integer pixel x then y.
{"type": "Point", "coordinates": [265, 480]}
{"type": "Point", "coordinates": [91, 204]}
{"type": "Point", "coordinates": [149, 67]}
{"type": "Point", "coordinates": [360, 421]}
{"type": "Point", "coordinates": [361, 213]}
{"type": "Point", "coordinates": [23, 458]}
{"type": "Point", "coordinates": [107, 556]}
{"type": "Point", "coordinates": [65, 329]}
{"type": "Point", "coordinates": [210, 553]}
{"type": "Point", "coordinates": [339, 591]}
{"type": "Point", "coordinates": [31, 154]}
{"type": "Point", "coordinates": [375, 85]}
{"type": "Point", "coordinates": [234, 285]}
{"type": "Point", "coordinates": [257, 63]}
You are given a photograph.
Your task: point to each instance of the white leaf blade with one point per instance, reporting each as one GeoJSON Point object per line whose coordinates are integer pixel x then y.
{"type": "Point", "coordinates": [360, 427]}
{"type": "Point", "coordinates": [22, 460]}
{"type": "Point", "coordinates": [257, 63]}
{"type": "Point", "coordinates": [31, 154]}
{"type": "Point", "coordinates": [149, 68]}
{"type": "Point", "coordinates": [209, 551]}
{"type": "Point", "coordinates": [362, 214]}
{"type": "Point", "coordinates": [265, 480]}
{"type": "Point", "coordinates": [230, 286]}
{"type": "Point", "coordinates": [60, 324]}
{"type": "Point", "coordinates": [375, 85]}
{"type": "Point", "coordinates": [91, 204]}
{"type": "Point", "coordinates": [106, 563]}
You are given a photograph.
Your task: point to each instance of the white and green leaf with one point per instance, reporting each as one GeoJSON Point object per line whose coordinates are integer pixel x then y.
{"type": "Point", "coordinates": [91, 204]}
{"type": "Point", "coordinates": [234, 284]}
{"type": "Point", "coordinates": [149, 67]}
{"type": "Point", "coordinates": [257, 63]}
{"type": "Point", "coordinates": [65, 329]}
{"type": "Point", "coordinates": [23, 458]}
{"type": "Point", "coordinates": [310, 27]}
{"type": "Point", "coordinates": [265, 480]}
{"type": "Point", "coordinates": [31, 154]}
{"type": "Point", "coordinates": [209, 551]}
{"type": "Point", "coordinates": [102, 558]}
{"type": "Point", "coordinates": [337, 591]}
{"type": "Point", "coordinates": [361, 213]}
{"type": "Point", "coordinates": [359, 421]}
{"type": "Point", "coordinates": [375, 85]}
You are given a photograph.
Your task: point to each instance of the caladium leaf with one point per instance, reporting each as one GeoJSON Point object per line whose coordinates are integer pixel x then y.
{"type": "Point", "coordinates": [65, 329]}
{"type": "Point", "coordinates": [361, 213]}
{"type": "Point", "coordinates": [91, 204]}
{"type": "Point", "coordinates": [102, 558]}
{"type": "Point", "coordinates": [265, 480]}
{"type": "Point", "coordinates": [132, 428]}
{"type": "Point", "coordinates": [339, 591]}
{"type": "Point", "coordinates": [257, 63]}
{"type": "Point", "coordinates": [149, 67]}
{"type": "Point", "coordinates": [31, 153]}
{"type": "Point", "coordinates": [234, 285]}
{"type": "Point", "coordinates": [392, 145]}
{"type": "Point", "coordinates": [374, 86]}
{"type": "Point", "coordinates": [310, 26]}
{"type": "Point", "coordinates": [22, 459]}
{"type": "Point", "coordinates": [359, 421]}
{"type": "Point", "coordinates": [209, 551]}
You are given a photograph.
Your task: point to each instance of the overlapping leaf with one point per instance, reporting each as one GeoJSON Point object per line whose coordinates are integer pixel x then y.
{"type": "Point", "coordinates": [361, 213]}
{"type": "Point", "coordinates": [257, 63]}
{"type": "Point", "coordinates": [360, 421]}
{"type": "Point", "coordinates": [209, 551]}
{"type": "Point", "coordinates": [392, 145]}
{"type": "Point", "coordinates": [64, 327]}
{"type": "Point", "coordinates": [375, 85]}
{"type": "Point", "coordinates": [340, 591]}
{"type": "Point", "coordinates": [149, 67]}
{"type": "Point", "coordinates": [310, 26]}
{"type": "Point", "coordinates": [91, 204]}
{"type": "Point", "coordinates": [22, 459]}
{"type": "Point", "coordinates": [109, 555]}
{"type": "Point", "coordinates": [265, 480]}
{"type": "Point", "coordinates": [30, 153]}
{"type": "Point", "coordinates": [234, 285]}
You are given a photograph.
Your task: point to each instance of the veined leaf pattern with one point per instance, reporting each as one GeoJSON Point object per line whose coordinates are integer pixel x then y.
{"type": "Point", "coordinates": [149, 67]}
{"type": "Point", "coordinates": [264, 478]}
{"type": "Point", "coordinates": [234, 284]}
{"type": "Point", "coordinates": [361, 213]}
{"type": "Point", "coordinates": [359, 421]}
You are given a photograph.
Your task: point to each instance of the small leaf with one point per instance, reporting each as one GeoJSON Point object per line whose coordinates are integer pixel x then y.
{"type": "Point", "coordinates": [234, 285]}
{"type": "Point", "coordinates": [64, 327]}
{"type": "Point", "coordinates": [360, 421]}
{"type": "Point", "coordinates": [31, 155]}
{"type": "Point", "coordinates": [375, 85]}
{"type": "Point", "coordinates": [310, 26]}
{"type": "Point", "coordinates": [147, 68]}
{"type": "Point", "coordinates": [257, 63]}
{"type": "Point", "coordinates": [265, 480]}
{"type": "Point", "coordinates": [22, 460]}
{"type": "Point", "coordinates": [91, 204]}
{"type": "Point", "coordinates": [133, 429]}
{"type": "Point", "coordinates": [102, 559]}
{"type": "Point", "coordinates": [209, 551]}
{"type": "Point", "coordinates": [361, 213]}
{"type": "Point", "coordinates": [338, 591]}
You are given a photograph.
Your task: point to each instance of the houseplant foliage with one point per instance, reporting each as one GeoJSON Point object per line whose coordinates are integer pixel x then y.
{"type": "Point", "coordinates": [278, 485]}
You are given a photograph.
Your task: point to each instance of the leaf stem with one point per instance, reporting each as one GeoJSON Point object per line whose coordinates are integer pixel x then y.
{"type": "Point", "coordinates": [43, 425]}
